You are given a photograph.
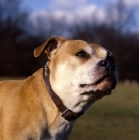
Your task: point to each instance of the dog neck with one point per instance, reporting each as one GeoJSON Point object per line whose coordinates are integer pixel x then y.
{"type": "Point", "coordinates": [66, 113]}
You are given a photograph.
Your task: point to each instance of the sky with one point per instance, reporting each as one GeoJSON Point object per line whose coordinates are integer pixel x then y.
{"type": "Point", "coordinates": [59, 8]}
{"type": "Point", "coordinates": [72, 8]}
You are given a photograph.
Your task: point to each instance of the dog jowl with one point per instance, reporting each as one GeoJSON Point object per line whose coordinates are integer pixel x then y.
{"type": "Point", "coordinates": [45, 105]}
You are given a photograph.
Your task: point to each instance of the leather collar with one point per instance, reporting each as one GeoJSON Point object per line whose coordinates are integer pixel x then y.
{"type": "Point", "coordinates": [67, 114]}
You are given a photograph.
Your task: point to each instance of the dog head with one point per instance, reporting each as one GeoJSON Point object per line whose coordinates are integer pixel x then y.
{"type": "Point", "coordinates": [80, 72]}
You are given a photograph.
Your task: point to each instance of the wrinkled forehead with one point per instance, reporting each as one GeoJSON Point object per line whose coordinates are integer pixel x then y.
{"type": "Point", "coordinates": [74, 46]}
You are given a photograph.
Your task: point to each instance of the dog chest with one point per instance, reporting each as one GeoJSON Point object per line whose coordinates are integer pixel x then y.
{"type": "Point", "coordinates": [58, 131]}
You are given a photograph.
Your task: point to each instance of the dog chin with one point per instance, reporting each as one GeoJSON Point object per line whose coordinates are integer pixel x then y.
{"type": "Point", "coordinates": [105, 86]}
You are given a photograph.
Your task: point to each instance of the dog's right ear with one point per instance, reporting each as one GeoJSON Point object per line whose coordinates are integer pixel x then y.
{"type": "Point", "coordinates": [50, 46]}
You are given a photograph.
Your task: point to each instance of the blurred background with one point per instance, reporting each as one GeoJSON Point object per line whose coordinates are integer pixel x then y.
{"type": "Point", "coordinates": [26, 24]}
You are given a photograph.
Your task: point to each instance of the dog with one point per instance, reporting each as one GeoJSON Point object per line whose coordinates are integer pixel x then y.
{"type": "Point", "coordinates": [45, 105]}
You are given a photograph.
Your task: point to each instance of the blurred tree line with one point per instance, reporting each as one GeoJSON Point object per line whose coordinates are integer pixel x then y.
{"type": "Point", "coordinates": [19, 36]}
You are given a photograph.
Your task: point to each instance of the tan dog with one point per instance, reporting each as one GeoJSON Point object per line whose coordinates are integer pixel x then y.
{"type": "Point", "coordinates": [45, 105]}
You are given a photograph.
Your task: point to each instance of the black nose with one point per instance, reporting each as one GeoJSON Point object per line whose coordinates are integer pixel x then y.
{"type": "Point", "coordinates": [104, 63]}
{"type": "Point", "coordinates": [109, 62]}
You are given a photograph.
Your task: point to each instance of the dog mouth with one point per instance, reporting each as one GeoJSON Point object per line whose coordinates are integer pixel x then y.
{"type": "Point", "coordinates": [108, 81]}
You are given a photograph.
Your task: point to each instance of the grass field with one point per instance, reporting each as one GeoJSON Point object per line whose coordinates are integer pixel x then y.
{"type": "Point", "coordinates": [115, 117]}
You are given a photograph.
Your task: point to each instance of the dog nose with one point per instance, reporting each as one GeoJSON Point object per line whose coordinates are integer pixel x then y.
{"type": "Point", "coordinates": [109, 62]}
{"type": "Point", "coordinates": [104, 63]}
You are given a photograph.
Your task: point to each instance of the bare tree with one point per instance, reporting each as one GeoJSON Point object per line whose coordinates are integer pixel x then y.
{"type": "Point", "coordinates": [121, 21]}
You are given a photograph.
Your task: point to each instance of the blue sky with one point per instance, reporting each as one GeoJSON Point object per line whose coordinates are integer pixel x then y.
{"type": "Point", "coordinates": [45, 4]}
{"type": "Point", "coordinates": [72, 8]}
{"type": "Point", "coordinates": [33, 5]}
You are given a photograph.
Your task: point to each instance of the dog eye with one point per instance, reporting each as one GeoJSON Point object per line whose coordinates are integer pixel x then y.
{"type": "Point", "coordinates": [82, 54]}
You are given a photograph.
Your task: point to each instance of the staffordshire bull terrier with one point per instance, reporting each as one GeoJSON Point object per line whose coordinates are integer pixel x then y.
{"type": "Point", "coordinates": [45, 105]}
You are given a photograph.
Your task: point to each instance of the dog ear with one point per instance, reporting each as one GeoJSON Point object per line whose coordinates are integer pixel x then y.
{"type": "Point", "coordinates": [50, 46]}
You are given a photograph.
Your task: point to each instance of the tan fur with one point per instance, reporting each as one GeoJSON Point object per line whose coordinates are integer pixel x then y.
{"type": "Point", "coordinates": [26, 109]}
{"type": "Point", "coordinates": [23, 108]}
